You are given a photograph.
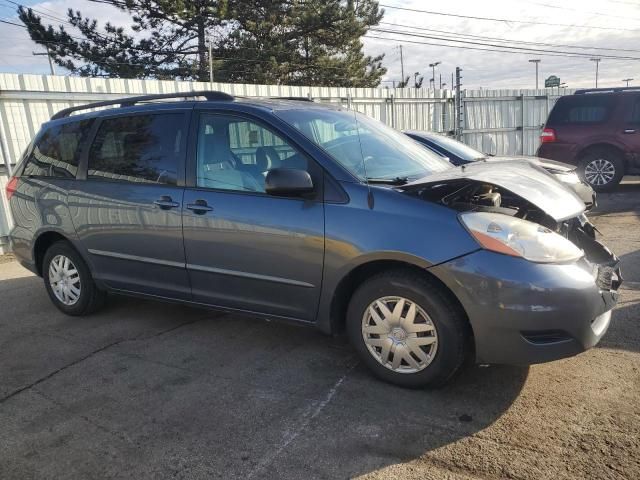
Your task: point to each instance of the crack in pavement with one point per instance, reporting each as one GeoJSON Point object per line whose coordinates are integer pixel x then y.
{"type": "Point", "coordinates": [93, 353]}
{"type": "Point", "coordinates": [307, 417]}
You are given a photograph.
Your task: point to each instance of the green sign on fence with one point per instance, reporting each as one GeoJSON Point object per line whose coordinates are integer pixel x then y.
{"type": "Point", "coordinates": [552, 81]}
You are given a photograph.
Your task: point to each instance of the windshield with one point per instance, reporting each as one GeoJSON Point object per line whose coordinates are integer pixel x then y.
{"type": "Point", "coordinates": [369, 149]}
{"type": "Point", "coordinates": [457, 148]}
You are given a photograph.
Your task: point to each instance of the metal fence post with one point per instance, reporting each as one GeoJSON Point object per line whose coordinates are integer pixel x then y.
{"type": "Point", "coordinates": [393, 111]}
{"type": "Point", "coordinates": [459, 102]}
{"type": "Point", "coordinates": [5, 149]}
{"type": "Point", "coordinates": [522, 149]}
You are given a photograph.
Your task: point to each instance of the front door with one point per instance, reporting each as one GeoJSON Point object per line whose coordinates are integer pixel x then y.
{"type": "Point", "coordinates": [127, 212]}
{"type": "Point", "coordinates": [245, 249]}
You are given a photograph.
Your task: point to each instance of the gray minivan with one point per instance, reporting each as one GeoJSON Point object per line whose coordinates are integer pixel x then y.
{"type": "Point", "coordinates": [298, 211]}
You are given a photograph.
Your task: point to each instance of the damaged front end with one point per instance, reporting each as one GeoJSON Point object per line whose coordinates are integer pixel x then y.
{"type": "Point", "coordinates": [478, 195]}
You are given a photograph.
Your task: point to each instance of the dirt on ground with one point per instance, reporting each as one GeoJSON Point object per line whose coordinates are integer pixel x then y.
{"type": "Point", "coordinates": [6, 258]}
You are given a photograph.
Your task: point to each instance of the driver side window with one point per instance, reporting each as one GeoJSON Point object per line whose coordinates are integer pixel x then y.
{"type": "Point", "coordinates": [236, 154]}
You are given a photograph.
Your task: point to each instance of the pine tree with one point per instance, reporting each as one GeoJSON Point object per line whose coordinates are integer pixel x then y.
{"type": "Point", "coordinates": [167, 39]}
{"type": "Point", "coordinates": [299, 42]}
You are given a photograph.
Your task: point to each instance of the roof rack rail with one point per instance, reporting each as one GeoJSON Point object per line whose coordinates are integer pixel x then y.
{"type": "Point", "coordinates": [131, 101]}
{"type": "Point", "coordinates": [297, 99]}
{"type": "Point", "coordinates": [582, 91]}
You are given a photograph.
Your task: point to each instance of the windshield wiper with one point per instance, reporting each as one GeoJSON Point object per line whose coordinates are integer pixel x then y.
{"type": "Point", "coordinates": [389, 181]}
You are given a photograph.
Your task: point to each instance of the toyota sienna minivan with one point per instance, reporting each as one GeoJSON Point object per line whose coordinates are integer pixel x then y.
{"type": "Point", "coordinates": [292, 210]}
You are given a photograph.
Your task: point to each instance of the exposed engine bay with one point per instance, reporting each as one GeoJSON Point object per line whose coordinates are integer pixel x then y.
{"type": "Point", "coordinates": [464, 195]}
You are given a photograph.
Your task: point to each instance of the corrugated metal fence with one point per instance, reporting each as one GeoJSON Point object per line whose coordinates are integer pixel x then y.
{"type": "Point", "coordinates": [503, 122]}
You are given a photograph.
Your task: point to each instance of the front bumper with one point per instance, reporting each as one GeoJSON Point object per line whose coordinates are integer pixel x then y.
{"type": "Point", "coordinates": [524, 313]}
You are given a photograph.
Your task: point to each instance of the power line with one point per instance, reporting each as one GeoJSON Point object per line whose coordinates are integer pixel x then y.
{"type": "Point", "coordinates": [505, 40]}
{"type": "Point", "coordinates": [463, 47]}
{"type": "Point", "coordinates": [503, 20]}
{"type": "Point", "coordinates": [589, 12]}
{"type": "Point", "coordinates": [494, 45]}
{"type": "Point", "coordinates": [11, 23]}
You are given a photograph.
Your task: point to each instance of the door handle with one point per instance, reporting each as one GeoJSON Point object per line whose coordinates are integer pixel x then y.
{"type": "Point", "coordinates": [166, 203]}
{"type": "Point", "coordinates": [630, 130]}
{"type": "Point", "coordinates": [200, 207]}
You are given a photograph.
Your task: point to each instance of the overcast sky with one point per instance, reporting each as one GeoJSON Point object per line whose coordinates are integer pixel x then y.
{"type": "Point", "coordinates": [616, 27]}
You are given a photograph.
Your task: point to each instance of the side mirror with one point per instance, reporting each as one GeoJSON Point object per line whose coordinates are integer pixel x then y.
{"type": "Point", "coordinates": [288, 181]}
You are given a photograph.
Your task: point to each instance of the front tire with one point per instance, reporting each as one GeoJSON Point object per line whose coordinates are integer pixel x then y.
{"type": "Point", "coordinates": [602, 168]}
{"type": "Point", "coordinates": [407, 329]}
{"type": "Point", "coordinates": [69, 282]}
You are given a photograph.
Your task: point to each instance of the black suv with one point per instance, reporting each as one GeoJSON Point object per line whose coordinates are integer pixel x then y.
{"type": "Point", "coordinates": [599, 131]}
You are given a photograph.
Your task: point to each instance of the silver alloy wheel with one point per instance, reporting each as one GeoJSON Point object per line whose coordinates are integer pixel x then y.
{"type": "Point", "coordinates": [64, 280]}
{"type": "Point", "coordinates": [599, 171]}
{"type": "Point", "coordinates": [399, 334]}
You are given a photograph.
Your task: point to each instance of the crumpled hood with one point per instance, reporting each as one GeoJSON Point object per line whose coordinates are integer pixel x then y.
{"type": "Point", "coordinates": [549, 165]}
{"type": "Point", "coordinates": [519, 177]}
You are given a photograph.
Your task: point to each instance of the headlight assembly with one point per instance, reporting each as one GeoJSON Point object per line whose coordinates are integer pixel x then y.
{"type": "Point", "coordinates": [519, 238]}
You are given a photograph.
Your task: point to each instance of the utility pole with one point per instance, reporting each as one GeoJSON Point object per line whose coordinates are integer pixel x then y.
{"type": "Point", "coordinates": [440, 81]}
{"type": "Point", "coordinates": [597, 60]}
{"type": "Point", "coordinates": [210, 64]}
{"type": "Point", "coordinates": [627, 80]}
{"type": "Point", "coordinates": [536, 61]}
{"type": "Point", "coordinates": [433, 71]}
{"type": "Point", "coordinates": [48, 54]}
{"type": "Point", "coordinates": [459, 119]}
{"type": "Point", "coordinates": [401, 63]}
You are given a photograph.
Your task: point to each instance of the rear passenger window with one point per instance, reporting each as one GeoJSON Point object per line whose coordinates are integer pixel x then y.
{"type": "Point", "coordinates": [140, 148]}
{"type": "Point", "coordinates": [581, 109]}
{"type": "Point", "coordinates": [56, 153]}
{"type": "Point", "coordinates": [635, 112]}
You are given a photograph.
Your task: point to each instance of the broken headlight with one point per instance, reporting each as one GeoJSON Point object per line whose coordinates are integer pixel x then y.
{"type": "Point", "coordinates": [519, 238]}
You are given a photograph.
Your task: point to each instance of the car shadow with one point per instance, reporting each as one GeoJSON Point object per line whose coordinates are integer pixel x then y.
{"type": "Point", "coordinates": [153, 387]}
{"type": "Point", "coordinates": [624, 198]}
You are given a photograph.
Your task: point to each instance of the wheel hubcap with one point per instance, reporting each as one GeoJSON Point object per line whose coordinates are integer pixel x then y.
{"type": "Point", "coordinates": [64, 280]}
{"type": "Point", "coordinates": [399, 334]}
{"type": "Point", "coordinates": [599, 171]}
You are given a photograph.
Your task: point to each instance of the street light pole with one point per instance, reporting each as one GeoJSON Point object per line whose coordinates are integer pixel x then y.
{"type": "Point", "coordinates": [433, 72]}
{"type": "Point", "coordinates": [401, 64]}
{"type": "Point", "coordinates": [48, 54]}
{"type": "Point", "coordinates": [536, 61]}
{"type": "Point", "coordinates": [210, 64]}
{"type": "Point", "coordinates": [597, 60]}
{"type": "Point", "coordinates": [627, 80]}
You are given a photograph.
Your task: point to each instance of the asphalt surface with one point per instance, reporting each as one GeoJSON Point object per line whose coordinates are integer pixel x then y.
{"type": "Point", "coordinates": [152, 390]}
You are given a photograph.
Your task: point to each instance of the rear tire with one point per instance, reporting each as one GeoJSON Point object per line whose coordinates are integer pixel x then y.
{"type": "Point", "coordinates": [408, 330]}
{"type": "Point", "coordinates": [602, 168]}
{"type": "Point", "coordinates": [69, 282]}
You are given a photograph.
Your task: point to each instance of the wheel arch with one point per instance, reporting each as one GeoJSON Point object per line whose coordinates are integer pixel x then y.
{"type": "Point", "coordinates": [44, 240]}
{"type": "Point", "coordinates": [350, 282]}
{"type": "Point", "coordinates": [619, 150]}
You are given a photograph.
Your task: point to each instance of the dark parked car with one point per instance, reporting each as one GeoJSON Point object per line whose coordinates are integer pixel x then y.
{"type": "Point", "coordinates": [297, 211]}
{"type": "Point", "coordinates": [599, 131]}
{"type": "Point", "coordinates": [458, 153]}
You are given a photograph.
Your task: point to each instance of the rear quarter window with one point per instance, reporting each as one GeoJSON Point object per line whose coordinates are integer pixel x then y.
{"type": "Point", "coordinates": [56, 152]}
{"type": "Point", "coordinates": [635, 111]}
{"type": "Point", "coordinates": [581, 109]}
